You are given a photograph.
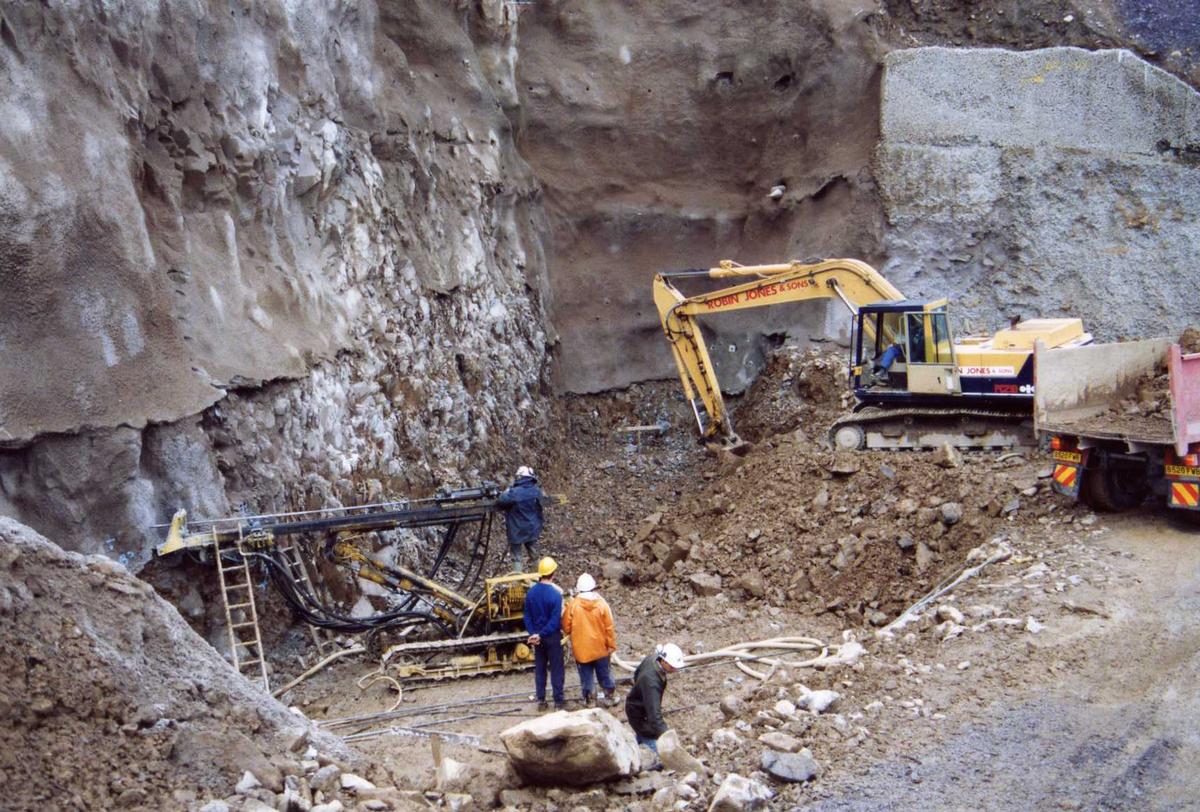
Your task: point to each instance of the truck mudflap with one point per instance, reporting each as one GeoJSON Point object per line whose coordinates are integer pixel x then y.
{"type": "Point", "coordinates": [1183, 485]}
{"type": "Point", "coordinates": [1068, 465]}
{"type": "Point", "coordinates": [1185, 495]}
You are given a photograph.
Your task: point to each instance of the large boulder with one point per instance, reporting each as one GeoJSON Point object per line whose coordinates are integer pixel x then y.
{"type": "Point", "coordinates": [575, 748]}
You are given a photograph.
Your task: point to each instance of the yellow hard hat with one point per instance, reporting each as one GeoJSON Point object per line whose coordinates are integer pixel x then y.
{"type": "Point", "coordinates": [547, 566]}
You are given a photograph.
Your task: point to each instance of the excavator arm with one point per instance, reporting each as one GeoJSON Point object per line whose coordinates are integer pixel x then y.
{"type": "Point", "coordinates": [853, 282]}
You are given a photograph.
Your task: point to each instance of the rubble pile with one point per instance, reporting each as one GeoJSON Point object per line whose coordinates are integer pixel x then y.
{"type": "Point", "coordinates": [797, 389]}
{"type": "Point", "coordinates": [861, 535]}
{"type": "Point", "coordinates": [109, 700]}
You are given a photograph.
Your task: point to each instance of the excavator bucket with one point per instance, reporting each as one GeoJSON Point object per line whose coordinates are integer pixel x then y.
{"type": "Point", "coordinates": [730, 445]}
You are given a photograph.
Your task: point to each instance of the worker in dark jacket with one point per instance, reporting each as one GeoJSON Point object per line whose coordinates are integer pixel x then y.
{"type": "Point", "coordinates": [543, 621]}
{"type": "Point", "coordinates": [522, 504]}
{"type": "Point", "coordinates": [643, 706]}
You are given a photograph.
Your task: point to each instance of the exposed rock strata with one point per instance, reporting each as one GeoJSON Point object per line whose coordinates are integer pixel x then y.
{"type": "Point", "coordinates": [199, 198]}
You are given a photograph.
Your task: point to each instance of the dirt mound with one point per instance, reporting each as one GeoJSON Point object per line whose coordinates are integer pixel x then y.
{"type": "Point", "coordinates": [797, 388]}
{"type": "Point", "coordinates": [108, 699]}
{"type": "Point", "coordinates": [861, 535]}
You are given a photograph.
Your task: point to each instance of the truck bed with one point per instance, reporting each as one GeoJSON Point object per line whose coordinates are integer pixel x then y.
{"type": "Point", "coordinates": [1144, 392]}
{"type": "Point", "coordinates": [1137, 428]}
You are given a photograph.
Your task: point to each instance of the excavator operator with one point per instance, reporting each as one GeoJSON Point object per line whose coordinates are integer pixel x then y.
{"type": "Point", "coordinates": [883, 362]}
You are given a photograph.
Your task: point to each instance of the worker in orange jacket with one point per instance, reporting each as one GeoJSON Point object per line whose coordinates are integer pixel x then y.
{"type": "Point", "coordinates": [589, 621]}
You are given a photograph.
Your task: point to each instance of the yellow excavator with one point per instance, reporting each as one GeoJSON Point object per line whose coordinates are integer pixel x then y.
{"type": "Point", "coordinates": [915, 385]}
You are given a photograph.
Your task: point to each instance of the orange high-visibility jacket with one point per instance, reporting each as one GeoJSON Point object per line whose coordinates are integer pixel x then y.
{"type": "Point", "coordinates": [589, 621]}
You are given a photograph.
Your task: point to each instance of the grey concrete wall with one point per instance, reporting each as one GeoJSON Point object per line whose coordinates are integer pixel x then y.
{"type": "Point", "coordinates": [1050, 182]}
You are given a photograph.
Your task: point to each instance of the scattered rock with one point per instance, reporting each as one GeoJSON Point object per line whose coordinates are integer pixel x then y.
{"type": "Point", "coordinates": [752, 584]}
{"type": "Point", "coordinates": [950, 513]}
{"type": "Point", "coordinates": [453, 776]}
{"type": "Point", "coordinates": [325, 779]}
{"type": "Point", "coordinates": [644, 784]}
{"type": "Point", "coordinates": [785, 708]}
{"type": "Point", "coordinates": [781, 742]}
{"type": "Point", "coordinates": [614, 571]}
{"type": "Point", "coordinates": [723, 737]}
{"type": "Point", "coordinates": [732, 705]}
{"type": "Point", "coordinates": [947, 456]}
{"type": "Point", "coordinates": [924, 556]}
{"type": "Point", "coordinates": [790, 767]}
{"type": "Point", "coordinates": [572, 748]}
{"type": "Point", "coordinates": [949, 630]}
{"type": "Point", "coordinates": [457, 801]}
{"type": "Point", "coordinates": [247, 783]}
{"type": "Point", "coordinates": [947, 612]}
{"type": "Point", "coordinates": [675, 756]}
{"type": "Point", "coordinates": [255, 805]}
{"type": "Point", "coordinates": [819, 701]}
{"type": "Point", "coordinates": [355, 783]}
{"type": "Point", "coordinates": [705, 584]}
{"type": "Point", "coordinates": [520, 798]}
{"type": "Point", "coordinates": [1189, 341]}
{"type": "Point", "coordinates": [843, 464]}
{"type": "Point", "coordinates": [738, 794]}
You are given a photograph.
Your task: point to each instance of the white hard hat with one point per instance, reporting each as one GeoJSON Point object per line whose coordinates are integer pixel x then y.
{"type": "Point", "coordinates": [585, 583]}
{"type": "Point", "coordinates": [671, 654]}
{"type": "Point", "coordinates": [524, 470]}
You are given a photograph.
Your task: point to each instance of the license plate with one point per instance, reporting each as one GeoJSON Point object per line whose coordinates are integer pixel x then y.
{"type": "Point", "coordinates": [1068, 456]}
{"type": "Point", "coordinates": [1183, 470]}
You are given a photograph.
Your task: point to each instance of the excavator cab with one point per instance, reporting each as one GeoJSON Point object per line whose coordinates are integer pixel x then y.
{"type": "Point", "coordinates": [902, 349]}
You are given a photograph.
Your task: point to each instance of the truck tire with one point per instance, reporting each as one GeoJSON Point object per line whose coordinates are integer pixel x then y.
{"type": "Point", "coordinates": [1113, 489]}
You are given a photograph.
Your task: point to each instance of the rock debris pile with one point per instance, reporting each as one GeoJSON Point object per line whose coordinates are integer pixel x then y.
{"type": "Point", "coordinates": [859, 535]}
{"type": "Point", "coordinates": [109, 700]}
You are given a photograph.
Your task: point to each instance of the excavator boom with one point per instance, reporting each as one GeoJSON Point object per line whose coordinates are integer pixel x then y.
{"type": "Point", "coordinates": [853, 282]}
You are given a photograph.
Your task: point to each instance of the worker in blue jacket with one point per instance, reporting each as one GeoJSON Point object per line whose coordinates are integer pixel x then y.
{"type": "Point", "coordinates": [543, 621]}
{"type": "Point", "coordinates": [522, 504]}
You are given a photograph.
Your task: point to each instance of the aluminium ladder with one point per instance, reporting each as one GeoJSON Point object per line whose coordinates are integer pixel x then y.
{"type": "Point", "coordinates": [237, 593]}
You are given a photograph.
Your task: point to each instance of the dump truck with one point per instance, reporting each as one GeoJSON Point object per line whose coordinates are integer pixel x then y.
{"type": "Point", "coordinates": [1122, 422]}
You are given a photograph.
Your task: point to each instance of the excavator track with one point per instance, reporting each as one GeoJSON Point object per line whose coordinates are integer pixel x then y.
{"type": "Point", "coordinates": [875, 428]}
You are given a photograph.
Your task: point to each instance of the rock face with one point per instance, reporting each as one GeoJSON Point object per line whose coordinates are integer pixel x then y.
{"type": "Point", "coordinates": [628, 197]}
{"type": "Point", "coordinates": [572, 748]}
{"type": "Point", "coordinates": [1051, 182]}
{"type": "Point", "coordinates": [194, 202]}
{"type": "Point", "coordinates": [90, 653]}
